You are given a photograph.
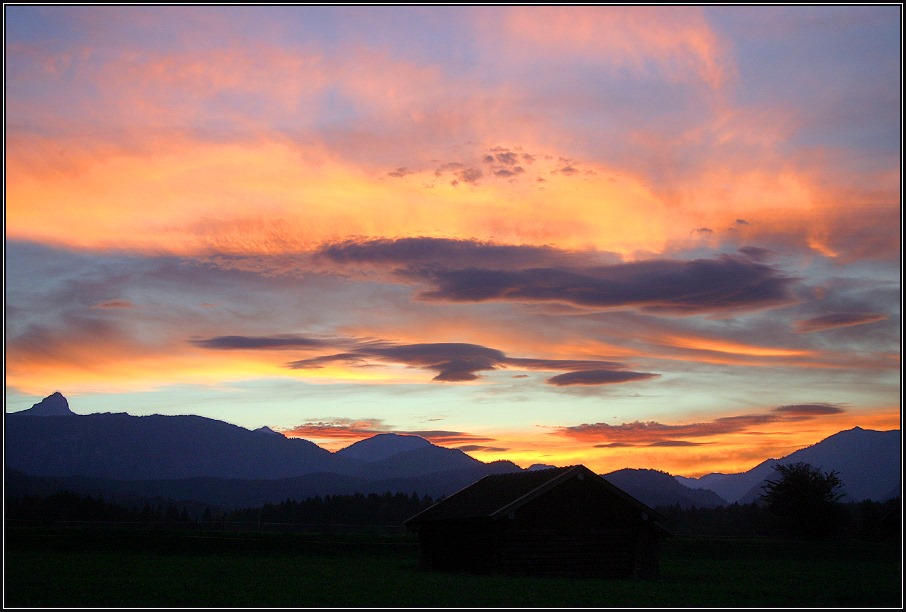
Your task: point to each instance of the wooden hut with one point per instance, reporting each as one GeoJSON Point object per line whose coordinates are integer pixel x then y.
{"type": "Point", "coordinates": [559, 521]}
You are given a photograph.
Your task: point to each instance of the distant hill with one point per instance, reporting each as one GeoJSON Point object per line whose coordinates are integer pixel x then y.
{"type": "Point", "coordinates": [655, 488]}
{"type": "Point", "coordinates": [868, 462]}
{"type": "Point", "coordinates": [382, 446]}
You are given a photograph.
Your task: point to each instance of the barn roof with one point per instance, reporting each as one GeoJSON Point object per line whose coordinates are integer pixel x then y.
{"type": "Point", "coordinates": [497, 495]}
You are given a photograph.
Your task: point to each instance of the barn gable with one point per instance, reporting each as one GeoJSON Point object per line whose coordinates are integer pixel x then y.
{"type": "Point", "coordinates": [556, 521]}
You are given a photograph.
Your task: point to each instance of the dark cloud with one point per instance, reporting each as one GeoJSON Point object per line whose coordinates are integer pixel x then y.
{"type": "Point", "coordinates": [259, 342]}
{"type": "Point", "coordinates": [809, 410]}
{"type": "Point", "coordinates": [681, 287]}
{"type": "Point", "coordinates": [445, 438]}
{"type": "Point", "coordinates": [509, 172]}
{"type": "Point", "coordinates": [568, 170]}
{"type": "Point", "coordinates": [742, 222]}
{"type": "Point", "coordinates": [636, 432]}
{"type": "Point", "coordinates": [354, 359]}
{"type": "Point", "coordinates": [703, 230]}
{"type": "Point", "coordinates": [400, 172]}
{"type": "Point", "coordinates": [661, 443]}
{"type": "Point", "coordinates": [598, 377]}
{"type": "Point", "coordinates": [461, 172]}
{"type": "Point", "coordinates": [460, 362]}
{"type": "Point", "coordinates": [488, 449]}
{"type": "Point", "coordinates": [676, 443]}
{"type": "Point", "coordinates": [420, 252]}
{"type": "Point", "coordinates": [509, 158]}
{"type": "Point", "coordinates": [469, 175]}
{"type": "Point", "coordinates": [449, 167]}
{"type": "Point", "coordinates": [652, 433]}
{"type": "Point", "coordinates": [837, 319]}
{"type": "Point", "coordinates": [451, 361]}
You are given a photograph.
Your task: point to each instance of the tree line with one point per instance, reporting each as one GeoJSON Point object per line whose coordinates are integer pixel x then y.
{"type": "Point", "coordinates": [800, 502]}
{"type": "Point", "coordinates": [387, 509]}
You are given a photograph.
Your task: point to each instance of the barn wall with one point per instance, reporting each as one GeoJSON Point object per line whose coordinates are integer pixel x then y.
{"type": "Point", "coordinates": [578, 528]}
{"type": "Point", "coordinates": [598, 553]}
{"type": "Point", "coordinates": [466, 546]}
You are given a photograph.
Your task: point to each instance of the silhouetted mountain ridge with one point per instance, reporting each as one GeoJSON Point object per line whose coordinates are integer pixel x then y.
{"type": "Point", "coordinates": [656, 488]}
{"type": "Point", "coordinates": [382, 446]}
{"type": "Point", "coordinates": [193, 457]}
{"type": "Point", "coordinates": [867, 461]}
{"type": "Point", "coordinates": [52, 405]}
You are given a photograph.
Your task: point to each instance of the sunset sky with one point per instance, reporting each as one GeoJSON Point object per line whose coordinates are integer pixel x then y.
{"type": "Point", "coordinates": [649, 237]}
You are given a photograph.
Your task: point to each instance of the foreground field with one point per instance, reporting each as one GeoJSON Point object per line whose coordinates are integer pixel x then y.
{"type": "Point", "coordinates": [45, 568]}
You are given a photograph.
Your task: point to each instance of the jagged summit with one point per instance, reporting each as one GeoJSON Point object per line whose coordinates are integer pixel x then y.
{"type": "Point", "coordinates": [268, 430]}
{"type": "Point", "coordinates": [52, 405]}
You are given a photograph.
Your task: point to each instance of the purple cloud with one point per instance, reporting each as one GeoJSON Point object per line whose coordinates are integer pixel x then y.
{"type": "Point", "coordinates": [475, 447]}
{"type": "Point", "coordinates": [472, 271]}
{"type": "Point", "coordinates": [835, 320]}
{"type": "Point", "coordinates": [452, 361]}
{"type": "Point", "coordinates": [419, 252]}
{"type": "Point", "coordinates": [460, 362]}
{"type": "Point", "coordinates": [809, 410]}
{"type": "Point", "coordinates": [652, 433]}
{"type": "Point", "coordinates": [259, 342]}
{"type": "Point", "coordinates": [598, 377]}
{"type": "Point", "coordinates": [400, 172]}
{"type": "Point", "coordinates": [677, 287]}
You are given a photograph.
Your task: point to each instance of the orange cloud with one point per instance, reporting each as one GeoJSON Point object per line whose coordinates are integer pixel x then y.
{"type": "Point", "coordinates": [192, 197]}
{"type": "Point", "coordinates": [701, 343]}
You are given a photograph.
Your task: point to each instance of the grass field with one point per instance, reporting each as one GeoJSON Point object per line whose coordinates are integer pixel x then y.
{"type": "Point", "coordinates": [78, 568]}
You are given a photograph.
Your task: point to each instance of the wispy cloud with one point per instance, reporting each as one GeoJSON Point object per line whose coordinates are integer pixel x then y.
{"type": "Point", "coordinates": [808, 411]}
{"type": "Point", "coordinates": [598, 377]}
{"type": "Point", "coordinates": [341, 428]}
{"type": "Point", "coordinates": [836, 320]}
{"type": "Point", "coordinates": [652, 433]}
{"type": "Point", "coordinates": [259, 342]}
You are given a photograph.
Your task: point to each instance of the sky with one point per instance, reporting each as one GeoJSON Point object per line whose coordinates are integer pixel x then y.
{"type": "Point", "coordinates": [623, 236]}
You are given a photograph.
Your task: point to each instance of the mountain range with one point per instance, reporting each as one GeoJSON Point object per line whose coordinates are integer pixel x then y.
{"type": "Point", "coordinates": [868, 462]}
{"type": "Point", "coordinates": [118, 456]}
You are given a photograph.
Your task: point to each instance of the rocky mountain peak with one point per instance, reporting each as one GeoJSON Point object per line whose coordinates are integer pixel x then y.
{"type": "Point", "coordinates": [52, 405]}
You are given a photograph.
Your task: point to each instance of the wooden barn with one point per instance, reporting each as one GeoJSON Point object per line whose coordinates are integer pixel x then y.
{"type": "Point", "coordinates": [558, 521]}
